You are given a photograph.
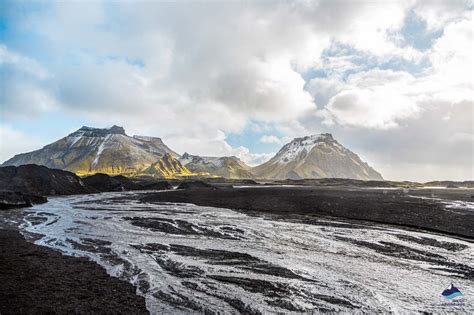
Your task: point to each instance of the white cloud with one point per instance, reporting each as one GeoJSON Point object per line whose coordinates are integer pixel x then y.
{"type": "Point", "coordinates": [452, 77]}
{"type": "Point", "coordinates": [377, 108]}
{"type": "Point", "coordinates": [247, 68]}
{"type": "Point", "coordinates": [383, 99]}
{"type": "Point", "coordinates": [215, 144]}
{"type": "Point", "coordinates": [438, 13]}
{"type": "Point", "coordinates": [270, 139]}
{"type": "Point", "coordinates": [13, 142]}
{"type": "Point", "coordinates": [191, 73]}
{"type": "Point", "coordinates": [25, 86]}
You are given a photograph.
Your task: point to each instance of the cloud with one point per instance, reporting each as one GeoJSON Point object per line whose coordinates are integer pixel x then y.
{"type": "Point", "coordinates": [370, 99]}
{"type": "Point", "coordinates": [247, 68]}
{"type": "Point", "coordinates": [270, 139]}
{"type": "Point", "coordinates": [438, 13]}
{"type": "Point", "coordinates": [216, 145]}
{"type": "Point", "coordinates": [192, 73]}
{"type": "Point", "coordinates": [25, 86]}
{"type": "Point", "coordinates": [383, 98]}
{"type": "Point", "coordinates": [14, 142]}
{"type": "Point", "coordinates": [380, 108]}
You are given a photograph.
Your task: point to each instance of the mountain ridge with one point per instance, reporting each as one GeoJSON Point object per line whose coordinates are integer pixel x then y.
{"type": "Point", "coordinates": [224, 166]}
{"type": "Point", "coordinates": [167, 167]}
{"type": "Point", "coordinates": [90, 150]}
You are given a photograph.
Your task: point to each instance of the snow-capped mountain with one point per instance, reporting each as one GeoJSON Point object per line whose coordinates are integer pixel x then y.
{"type": "Point", "coordinates": [93, 150]}
{"type": "Point", "coordinates": [315, 156]}
{"type": "Point", "coordinates": [226, 166]}
{"type": "Point", "coordinates": [111, 151]}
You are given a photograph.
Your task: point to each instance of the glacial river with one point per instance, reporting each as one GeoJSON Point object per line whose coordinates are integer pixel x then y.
{"type": "Point", "coordinates": [191, 259]}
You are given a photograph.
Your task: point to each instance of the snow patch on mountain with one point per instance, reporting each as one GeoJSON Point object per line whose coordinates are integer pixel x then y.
{"type": "Point", "coordinates": [202, 160]}
{"type": "Point", "coordinates": [100, 150]}
{"type": "Point", "coordinates": [300, 146]}
{"type": "Point", "coordinates": [224, 166]}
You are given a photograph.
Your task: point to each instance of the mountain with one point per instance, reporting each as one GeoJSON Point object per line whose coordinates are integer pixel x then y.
{"type": "Point", "coordinates": [167, 167]}
{"type": "Point", "coordinates": [93, 150]}
{"type": "Point", "coordinates": [226, 166]}
{"type": "Point", "coordinates": [316, 156]}
{"type": "Point", "coordinates": [111, 151]}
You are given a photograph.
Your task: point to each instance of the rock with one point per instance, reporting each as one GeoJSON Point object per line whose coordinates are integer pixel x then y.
{"type": "Point", "coordinates": [39, 180]}
{"type": "Point", "coordinates": [161, 185]}
{"type": "Point", "coordinates": [16, 199]}
{"type": "Point", "coordinates": [195, 185]}
{"type": "Point", "coordinates": [249, 182]}
{"type": "Point", "coordinates": [104, 182]}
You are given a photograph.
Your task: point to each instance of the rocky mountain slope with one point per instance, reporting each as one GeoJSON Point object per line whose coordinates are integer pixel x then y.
{"type": "Point", "coordinates": [167, 167]}
{"type": "Point", "coordinates": [93, 150]}
{"type": "Point", "coordinates": [316, 156]}
{"type": "Point", "coordinates": [226, 166]}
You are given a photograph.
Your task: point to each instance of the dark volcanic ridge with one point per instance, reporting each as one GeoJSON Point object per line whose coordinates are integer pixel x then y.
{"type": "Point", "coordinates": [26, 185]}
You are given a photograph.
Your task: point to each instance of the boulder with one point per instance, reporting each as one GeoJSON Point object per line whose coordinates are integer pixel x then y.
{"type": "Point", "coordinates": [16, 199]}
{"type": "Point", "coordinates": [195, 185]}
{"type": "Point", "coordinates": [34, 179]}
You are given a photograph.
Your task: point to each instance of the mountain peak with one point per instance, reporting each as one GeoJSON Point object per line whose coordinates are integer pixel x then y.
{"type": "Point", "coordinates": [315, 138]}
{"type": "Point", "coordinates": [99, 132]}
{"type": "Point", "coordinates": [117, 129]}
{"type": "Point", "coordinates": [326, 136]}
{"type": "Point", "coordinates": [315, 156]}
{"type": "Point", "coordinates": [147, 138]}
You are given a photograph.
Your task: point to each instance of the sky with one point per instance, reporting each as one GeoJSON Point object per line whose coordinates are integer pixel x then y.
{"type": "Point", "coordinates": [391, 80]}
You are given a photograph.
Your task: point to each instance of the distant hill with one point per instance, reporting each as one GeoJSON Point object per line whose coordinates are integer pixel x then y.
{"type": "Point", "coordinates": [227, 166]}
{"type": "Point", "coordinates": [166, 167]}
{"type": "Point", "coordinates": [317, 156]}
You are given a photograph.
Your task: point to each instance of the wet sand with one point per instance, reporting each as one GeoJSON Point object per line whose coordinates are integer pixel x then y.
{"type": "Point", "coordinates": [36, 279]}
{"type": "Point", "coordinates": [414, 208]}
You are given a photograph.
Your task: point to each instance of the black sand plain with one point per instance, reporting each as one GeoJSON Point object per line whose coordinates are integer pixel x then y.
{"type": "Point", "coordinates": [411, 208]}
{"type": "Point", "coordinates": [36, 279]}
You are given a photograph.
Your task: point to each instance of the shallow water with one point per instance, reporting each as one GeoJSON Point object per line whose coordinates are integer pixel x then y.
{"type": "Point", "coordinates": [186, 258]}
